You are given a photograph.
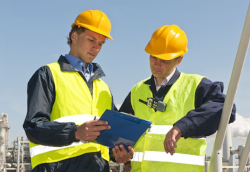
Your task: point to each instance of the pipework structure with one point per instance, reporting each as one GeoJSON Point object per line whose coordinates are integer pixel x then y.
{"type": "Point", "coordinates": [4, 139]}
{"type": "Point", "coordinates": [16, 158]}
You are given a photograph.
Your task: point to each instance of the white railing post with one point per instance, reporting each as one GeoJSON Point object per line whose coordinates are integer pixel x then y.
{"type": "Point", "coordinates": [245, 155]}
{"type": "Point", "coordinates": [216, 158]}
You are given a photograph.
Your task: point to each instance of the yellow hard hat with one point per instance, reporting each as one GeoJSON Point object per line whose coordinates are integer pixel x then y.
{"type": "Point", "coordinates": [167, 42]}
{"type": "Point", "coordinates": [94, 20]}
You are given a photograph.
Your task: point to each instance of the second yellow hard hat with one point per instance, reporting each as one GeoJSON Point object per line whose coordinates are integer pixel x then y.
{"type": "Point", "coordinates": [167, 42]}
{"type": "Point", "coordinates": [94, 20]}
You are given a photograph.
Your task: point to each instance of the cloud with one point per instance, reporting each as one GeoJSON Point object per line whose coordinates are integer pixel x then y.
{"type": "Point", "coordinates": [18, 108]}
{"type": "Point", "coordinates": [240, 127]}
{"type": "Point", "coordinates": [239, 130]}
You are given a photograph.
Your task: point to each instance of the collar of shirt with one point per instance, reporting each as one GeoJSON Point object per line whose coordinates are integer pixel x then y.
{"type": "Point", "coordinates": [78, 64]}
{"type": "Point", "coordinates": [165, 80]}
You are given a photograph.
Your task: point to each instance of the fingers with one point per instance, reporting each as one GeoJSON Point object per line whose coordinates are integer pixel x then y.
{"type": "Point", "coordinates": [127, 167]}
{"type": "Point", "coordinates": [169, 146]}
{"type": "Point", "coordinates": [91, 130]}
{"type": "Point", "coordinates": [84, 134]}
{"type": "Point", "coordinates": [170, 142]}
{"type": "Point", "coordinates": [174, 143]}
{"type": "Point", "coordinates": [97, 125]}
{"type": "Point", "coordinates": [131, 152]}
{"type": "Point", "coordinates": [97, 122]}
{"type": "Point", "coordinates": [121, 154]}
{"type": "Point", "coordinates": [165, 145]}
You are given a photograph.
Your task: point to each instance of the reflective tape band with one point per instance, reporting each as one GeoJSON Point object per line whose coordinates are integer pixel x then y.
{"type": "Point", "coordinates": [160, 129]}
{"type": "Point", "coordinates": [163, 129]}
{"type": "Point", "coordinates": [40, 149]}
{"type": "Point", "coordinates": [78, 119]}
{"type": "Point", "coordinates": [137, 156]}
{"type": "Point", "coordinates": [175, 158]}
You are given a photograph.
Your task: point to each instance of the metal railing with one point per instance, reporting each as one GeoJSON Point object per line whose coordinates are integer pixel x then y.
{"type": "Point", "coordinates": [216, 158]}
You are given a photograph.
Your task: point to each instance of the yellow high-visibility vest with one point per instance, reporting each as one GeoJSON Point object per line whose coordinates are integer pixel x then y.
{"type": "Point", "coordinates": [150, 154]}
{"type": "Point", "coordinates": [73, 103]}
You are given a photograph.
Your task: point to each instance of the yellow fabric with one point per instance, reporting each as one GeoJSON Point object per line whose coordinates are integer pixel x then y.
{"type": "Point", "coordinates": [180, 100]}
{"type": "Point", "coordinates": [73, 98]}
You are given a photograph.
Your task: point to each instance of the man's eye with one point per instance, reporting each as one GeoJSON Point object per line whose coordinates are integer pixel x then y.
{"type": "Point", "coordinates": [91, 40]}
{"type": "Point", "coordinates": [165, 61]}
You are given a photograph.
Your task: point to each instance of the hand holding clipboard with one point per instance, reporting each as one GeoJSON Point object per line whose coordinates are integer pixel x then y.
{"type": "Point", "coordinates": [125, 129]}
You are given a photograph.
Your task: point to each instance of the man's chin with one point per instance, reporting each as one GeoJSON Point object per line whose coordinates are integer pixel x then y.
{"type": "Point", "coordinates": [157, 74]}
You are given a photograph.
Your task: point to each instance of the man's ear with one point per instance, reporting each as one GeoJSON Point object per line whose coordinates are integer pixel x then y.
{"type": "Point", "coordinates": [179, 61]}
{"type": "Point", "coordinates": [74, 36]}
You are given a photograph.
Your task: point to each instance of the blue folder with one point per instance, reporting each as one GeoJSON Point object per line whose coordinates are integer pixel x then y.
{"type": "Point", "coordinates": [125, 129]}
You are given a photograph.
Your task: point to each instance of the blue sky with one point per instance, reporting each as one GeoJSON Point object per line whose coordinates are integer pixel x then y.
{"type": "Point", "coordinates": [33, 33]}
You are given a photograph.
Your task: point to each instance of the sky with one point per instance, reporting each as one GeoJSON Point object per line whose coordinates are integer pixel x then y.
{"type": "Point", "coordinates": [33, 33]}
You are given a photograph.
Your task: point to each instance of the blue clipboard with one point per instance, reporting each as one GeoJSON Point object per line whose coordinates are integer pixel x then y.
{"type": "Point", "coordinates": [125, 129]}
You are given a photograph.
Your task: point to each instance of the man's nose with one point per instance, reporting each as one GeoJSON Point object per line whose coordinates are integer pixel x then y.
{"type": "Point", "coordinates": [97, 47]}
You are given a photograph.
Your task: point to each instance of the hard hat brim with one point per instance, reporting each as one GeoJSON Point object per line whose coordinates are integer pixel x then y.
{"type": "Point", "coordinates": [164, 56]}
{"type": "Point", "coordinates": [93, 29]}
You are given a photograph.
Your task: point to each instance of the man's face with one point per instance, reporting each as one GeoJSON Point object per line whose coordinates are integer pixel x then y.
{"type": "Point", "coordinates": [163, 68]}
{"type": "Point", "coordinates": [86, 45]}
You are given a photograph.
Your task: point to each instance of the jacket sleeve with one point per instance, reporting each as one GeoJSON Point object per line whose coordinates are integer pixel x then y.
{"type": "Point", "coordinates": [37, 125]}
{"type": "Point", "coordinates": [205, 118]}
{"type": "Point", "coordinates": [126, 105]}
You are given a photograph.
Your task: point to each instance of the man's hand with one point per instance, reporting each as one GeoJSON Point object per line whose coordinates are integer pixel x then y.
{"type": "Point", "coordinates": [90, 130]}
{"type": "Point", "coordinates": [121, 154]}
{"type": "Point", "coordinates": [171, 139]}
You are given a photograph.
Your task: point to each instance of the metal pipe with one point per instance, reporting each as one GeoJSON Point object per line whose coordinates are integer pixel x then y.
{"type": "Point", "coordinates": [3, 147]}
{"type": "Point", "coordinates": [22, 151]}
{"type": "Point", "coordinates": [18, 155]}
{"type": "Point", "coordinates": [206, 166]}
{"type": "Point", "coordinates": [227, 144]}
{"type": "Point", "coordinates": [231, 162]}
{"type": "Point", "coordinates": [216, 158]}
{"type": "Point", "coordinates": [245, 154]}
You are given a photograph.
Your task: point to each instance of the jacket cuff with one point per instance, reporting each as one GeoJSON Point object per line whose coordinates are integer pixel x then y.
{"type": "Point", "coordinates": [183, 127]}
{"type": "Point", "coordinates": [72, 136]}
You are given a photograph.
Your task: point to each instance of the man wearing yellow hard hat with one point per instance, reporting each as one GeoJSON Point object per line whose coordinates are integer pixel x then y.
{"type": "Point", "coordinates": [64, 97]}
{"type": "Point", "coordinates": [183, 108]}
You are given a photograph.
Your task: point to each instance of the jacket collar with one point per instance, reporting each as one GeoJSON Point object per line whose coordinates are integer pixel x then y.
{"type": "Point", "coordinates": [66, 66]}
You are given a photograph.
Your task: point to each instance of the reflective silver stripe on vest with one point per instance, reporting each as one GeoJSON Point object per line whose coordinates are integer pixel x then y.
{"type": "Point", "coordinates": [78, 119]}
{"type": "Point", "coordinates": [40, 149]}
{"type": "Point", "coordinates": [175, 158]}
{"type": "Point", "coordinates": [137, 156]}
{"type": "Point", "coordinates": [162, 129]}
